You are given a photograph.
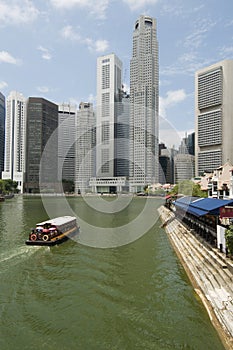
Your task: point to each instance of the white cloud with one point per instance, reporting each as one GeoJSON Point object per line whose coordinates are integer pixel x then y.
{"type": "Point", "coordinates": [46, 55]}
{"type": "Point", "coordinates": [201, 28]}
{"type": "Point", "coordinates": [137, 4]}
{"type": "Point", "coordinates": [3, 85]}
{"type": "Point", "coordinates": [96, 8]}
{"type": "Point", "coordinates": [98, 46]}
{"type": "Point", "coordinates": [179, 10]}
{"type": "Point", "coordinates": [43, 89]}
{"type": "Point", "coordinates": [17, 11]}
{"type": "Point", "coordinates": [91, 98]}
{"type": "Point", "coordinates": [68, 32]}
{"type": "Point", "coordinates": [226, 52]}
{"type": "Point", "coordinates": [5, 57]}
{"type": "Point", "coordinates": [171, 99]}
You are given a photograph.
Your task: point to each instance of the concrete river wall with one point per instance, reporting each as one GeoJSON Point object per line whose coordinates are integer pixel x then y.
{"type": "Point", "coordinates": [209, 271]}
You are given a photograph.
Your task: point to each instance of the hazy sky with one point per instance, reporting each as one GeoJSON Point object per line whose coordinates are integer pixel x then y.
{"type": "Point", "coordinates": [49, 48]}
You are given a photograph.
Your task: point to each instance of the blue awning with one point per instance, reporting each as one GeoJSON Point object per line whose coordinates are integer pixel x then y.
{"type": "Point", "coordinates": [196, 211]}
{"type": "Point", "coordinates": [201, 206]}
{"type": "Point", "coordinates": [211, 205]}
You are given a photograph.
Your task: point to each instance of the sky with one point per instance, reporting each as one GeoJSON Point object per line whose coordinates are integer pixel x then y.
{"type": "Point", "coordinates": [49, 48]}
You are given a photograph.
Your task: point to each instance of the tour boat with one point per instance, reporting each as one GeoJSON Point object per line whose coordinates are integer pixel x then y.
{"type": "Point", "coordinates": [53, 231]}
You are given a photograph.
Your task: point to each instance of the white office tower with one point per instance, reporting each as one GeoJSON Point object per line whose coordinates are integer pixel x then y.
{"type": "Point", "coordinates": [144, 105]}
{"type": "Point", "coordinates": [109, 85]}
{"type": "Point", "coordinates": [15, 139]}
{"type": "Point", "coordinates": [66, 141]}
{"type": "Point", "coordinates": [108, 109]}
{"type": "Point", "coordinates": [213, 116]}
{"type": "Point", "coordinates": [85, 147]}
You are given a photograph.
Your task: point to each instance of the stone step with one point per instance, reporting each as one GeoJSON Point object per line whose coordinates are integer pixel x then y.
{"type": "Point", "coordinates": [219, 302]}
{"type": "Point", "coordinates": [204, 263]}
{"type": "Point", "coordinates": [223, 275]}
{"type": "Point", "coordinates": [212, 278]}
{"type": "Point", "coordinates": [196, 268]}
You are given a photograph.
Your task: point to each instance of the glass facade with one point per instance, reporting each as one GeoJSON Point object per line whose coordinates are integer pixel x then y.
{"type": "Point", "coordinates": [42, 121]}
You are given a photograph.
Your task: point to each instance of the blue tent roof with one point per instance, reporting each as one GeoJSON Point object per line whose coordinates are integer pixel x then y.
{"type": "Point", "coordinates": [187, 199]}
{"type": "Point", "coordinates": [202, 206]}
{"type": "Point", "coordinates": [211, 204]}
{"type": "Point", "coordinates": [196, 211]}
{"type": "Point", "coordinates": [185, 204]}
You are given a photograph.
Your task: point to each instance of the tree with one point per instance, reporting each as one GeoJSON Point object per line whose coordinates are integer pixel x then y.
{"type": "Point", "coordinates": [2, 186]}
{"type": "Point", "coordinates": [146, 189]}
{"type": "Point", "coordinates": [8, 186]}
{"type": "Point", "coordinates": [68, 185]}
{"type": "Point", "coordinates": [229, 239]}
{"type": "Point", "coordinates": [188, 188]}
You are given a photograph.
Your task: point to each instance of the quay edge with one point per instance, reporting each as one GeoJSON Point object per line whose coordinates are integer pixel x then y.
{"type": "Point", "coordinates": [211, 277]}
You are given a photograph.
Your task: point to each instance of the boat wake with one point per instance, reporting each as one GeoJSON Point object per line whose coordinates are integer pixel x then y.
{"type": "Point", "coordinates": [13, 257]}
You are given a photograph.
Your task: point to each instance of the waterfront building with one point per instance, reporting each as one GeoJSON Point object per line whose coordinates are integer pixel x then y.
{"type": "Point", "coordinates": [144, 105]}
{"type": "Point", "coordinates": [42, 146]}
{"type": "Point", "coordinates": [112, 116]}
{"type": "Point", "coordinates": [2, 132]}
{"type": "Point", "coordinates": [213, 116]}
{"type": "Point", "coordinates": [15, 139]}
{"type": "Point", "coordinates": [66, 140]}
{"type": "Point", "coordinates": [219, 183]}
{"type": "Point", "coordinates": [184, 165]}
{"type": "Point", "coordinates": [85, 147]}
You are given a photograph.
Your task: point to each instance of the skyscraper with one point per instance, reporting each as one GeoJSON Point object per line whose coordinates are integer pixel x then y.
{"type": "Point", "coordinates": [2, 132]}
{"type": "Point", "coordinates": [144, 104]}
{"type": "Point", "coordinates": [85, 147]}
{"type": "Point", "coordinates": [15, 139]}
{"type": "Point", "coordinates": [121, 165]}
{"type": "Point", "coordinates": [66, 140]}
{"type": "Point", "coordinates": [213, 116]}
{"type": "Point", "coordinates": [109, 85]}
{"type": "Point", "coordinates": [109, 115]}
{"type": "Point", "coordinates": [42, 123]}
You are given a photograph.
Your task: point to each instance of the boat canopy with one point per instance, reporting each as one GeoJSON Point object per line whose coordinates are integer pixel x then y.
{"type": "Point", "coordinates": [57, 221]}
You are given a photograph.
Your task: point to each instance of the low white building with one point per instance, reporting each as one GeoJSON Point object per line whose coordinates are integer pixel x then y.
{"type": "Point", "coordinates": [219, 184]}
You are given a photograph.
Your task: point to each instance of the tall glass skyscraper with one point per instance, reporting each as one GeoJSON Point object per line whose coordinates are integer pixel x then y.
{"type": "Point", "coordinates": [42, 160]}
{"type": "Point", "coordinates": [144, 105]}
{"type": "Point", "coordinates": [85, 147]}
{"type": "Point", "coordinates": [66, 140]}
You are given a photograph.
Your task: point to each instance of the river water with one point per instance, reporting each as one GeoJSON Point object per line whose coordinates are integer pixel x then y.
{"type": "Point", "coordinates": [74, 296]}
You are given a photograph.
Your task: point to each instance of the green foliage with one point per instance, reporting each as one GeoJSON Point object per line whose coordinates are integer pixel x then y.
{"type": "Point", "coordinates": [68, 185]}
{"type": "Point", "coordinates": [8, 186]}
{"type": "Point", "coordinates": [188, 188]}
{"type": "Point", "coordinates": [229, 239]}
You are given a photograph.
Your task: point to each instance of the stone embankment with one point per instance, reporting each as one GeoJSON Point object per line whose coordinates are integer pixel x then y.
{"type": "Point", "coordinates": [209, 271]}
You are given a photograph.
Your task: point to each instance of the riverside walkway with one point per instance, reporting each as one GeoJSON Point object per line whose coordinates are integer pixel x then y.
{"type": "Point", "coordinates": [210, 272]}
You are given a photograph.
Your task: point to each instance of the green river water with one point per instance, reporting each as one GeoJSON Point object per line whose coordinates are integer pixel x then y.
{"type": "Point", "coordinates": [131, 296]}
